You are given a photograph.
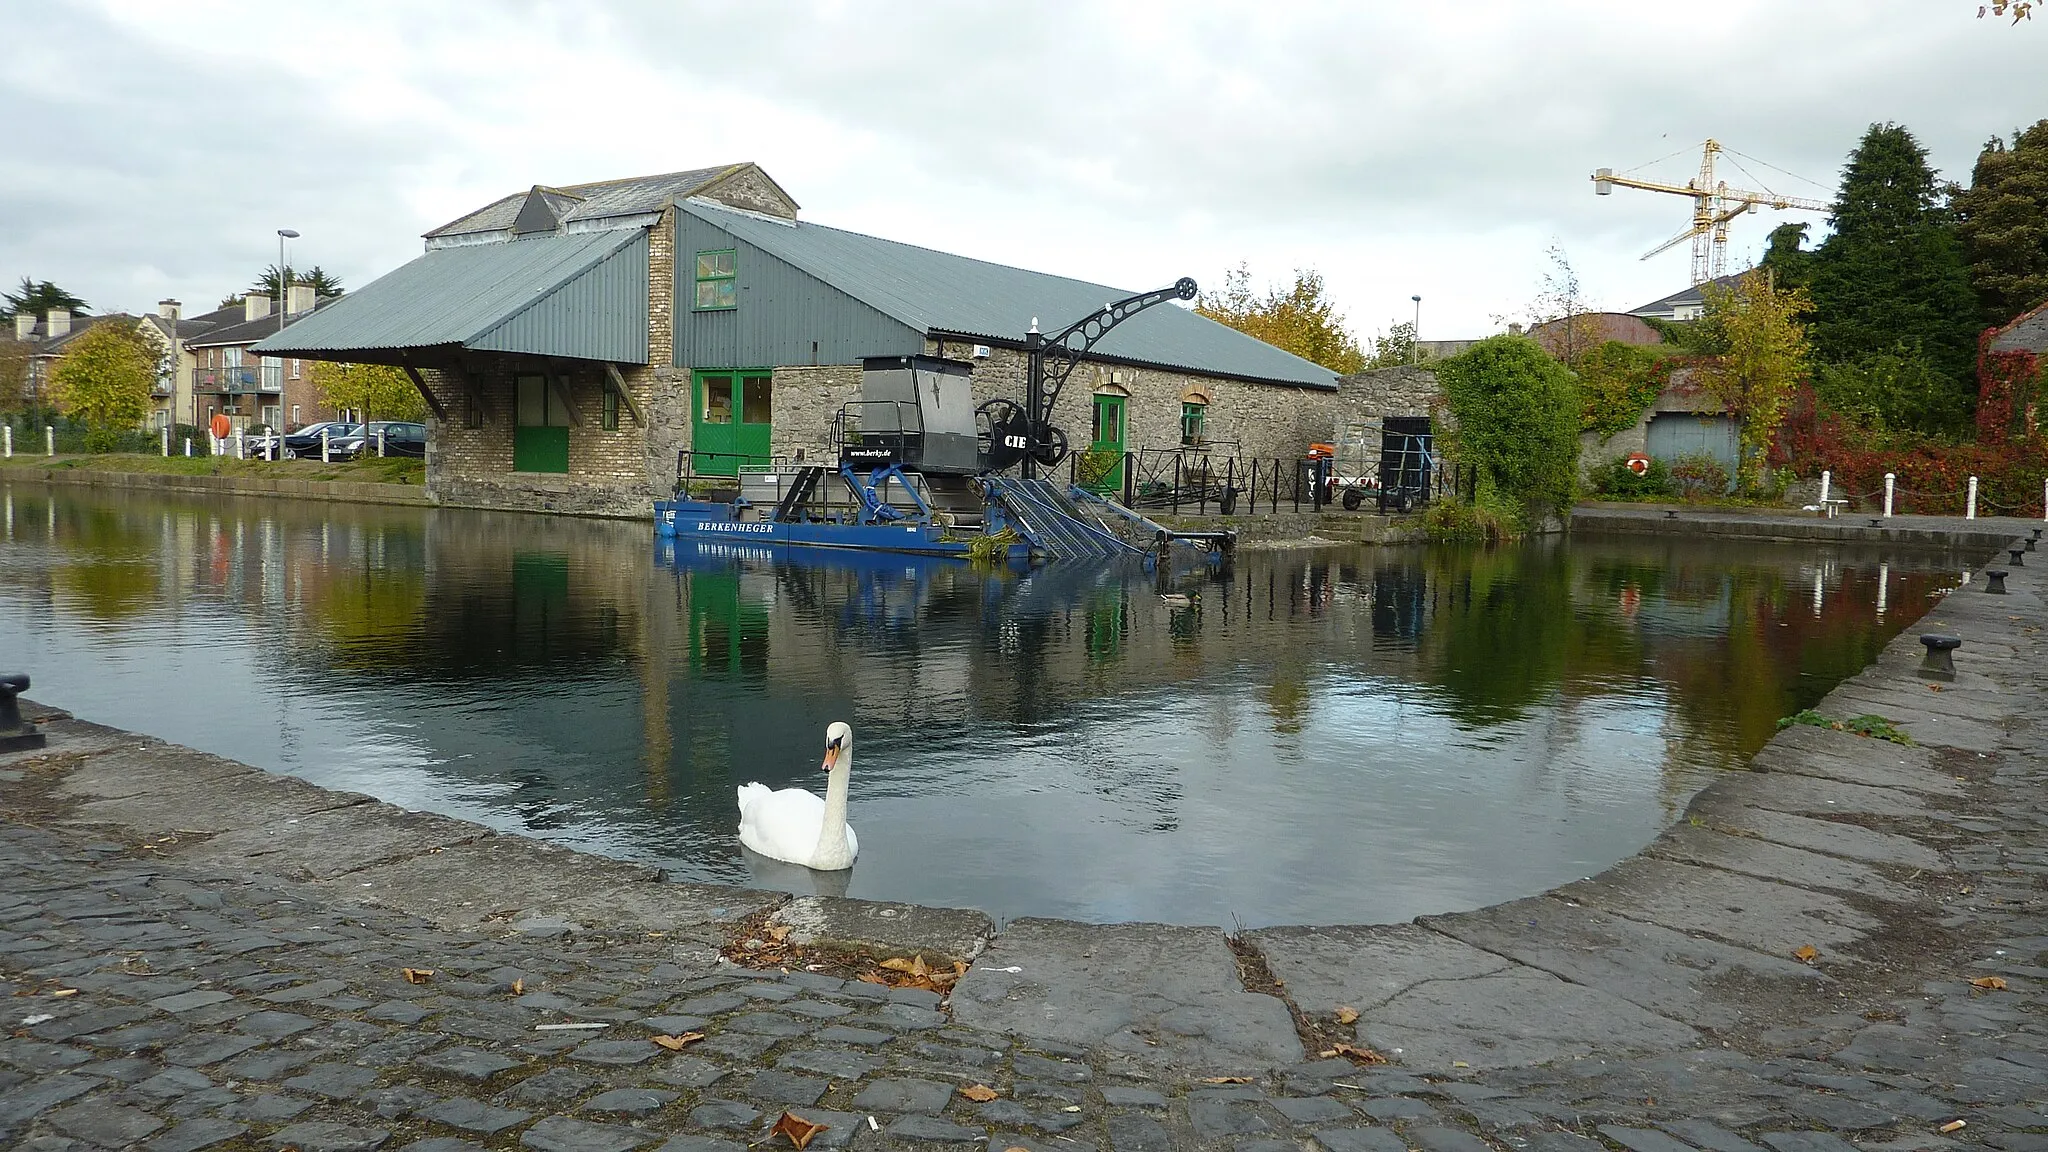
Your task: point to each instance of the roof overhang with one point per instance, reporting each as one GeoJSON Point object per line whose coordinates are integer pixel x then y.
{"type": "Point", "coordinates": [581, 296]}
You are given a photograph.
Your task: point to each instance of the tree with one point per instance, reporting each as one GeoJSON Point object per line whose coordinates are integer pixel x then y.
{"type": "Point", "coordinates": [2003, 220]}
{"type": "Point", "coordinates": [1397, 347]}
{"type": "Point", "coordinates": [377, 391]}
{"type": "Point", "coordinates": [1787, 259]}
{"type": "Point", "coordinates": [1891, 274]}
{"type": "Point", "coordinates": [1517, 414]}
{"type": "Point", "coordinates": [1297, 319]}
{"type": "Point", "coordinates": [1765, 359]}
{"type": "Point", "coordinates": [1561, 302]}
{"type": "Point", "coordinates": [38, 298]}
{"type": "Point", "coordinates": [105, 378]}
{"type": "Point", "coordinates": [1894, 389]}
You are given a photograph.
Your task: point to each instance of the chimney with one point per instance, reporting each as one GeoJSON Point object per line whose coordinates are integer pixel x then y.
{"type": "Point", "coordinates": [1514, 329]}
{"type": "Point", "coordinates": [170, 310]}
{"type": "Point", "coordinates": [57, 322]}
{"type": "Point", "coordinates": [298, 300]}
{"type": "Point", "coordinates": [255, 307]}
{"type": "Point", "coordinates": [24, 325]}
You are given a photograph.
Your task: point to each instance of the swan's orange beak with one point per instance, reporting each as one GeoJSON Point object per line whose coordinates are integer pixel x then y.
{"type": "Point", "coordinates": [831, 756]}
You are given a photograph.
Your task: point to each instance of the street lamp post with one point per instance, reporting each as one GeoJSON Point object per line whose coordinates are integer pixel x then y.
{"type": "Point", "coordinates": [1415, 334]}
{"type": "Point", "coordinates": [284, 295]}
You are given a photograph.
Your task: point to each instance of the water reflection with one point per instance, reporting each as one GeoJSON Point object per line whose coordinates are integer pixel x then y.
{"type": "Point", "coordinates": [1333, 737]}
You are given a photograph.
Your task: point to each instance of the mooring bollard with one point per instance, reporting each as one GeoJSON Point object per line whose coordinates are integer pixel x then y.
{"type": "Point", "coordinates": [1970, 507]}
{"type": "Point", "coordinates": [1671, 513]}
{"type": "Point", "coordinates": [2017, 555]}
{"type": "Point", "coordinates": [1938, 664]}
{"type": "Point", "coordinates": [1994, 581]}
{"type": "Point", "coordinates": [16, 734]}
{"type": "Point", "coordinates": [2030, 542]}
{"type": "Point", "coordinates": [1889, 477]}
{"type": "Point", "coordinates": [1876, 523]}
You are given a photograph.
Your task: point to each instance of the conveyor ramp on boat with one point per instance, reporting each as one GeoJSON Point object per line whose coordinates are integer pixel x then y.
{"type": "Point", "coordinates": [1054, 523]}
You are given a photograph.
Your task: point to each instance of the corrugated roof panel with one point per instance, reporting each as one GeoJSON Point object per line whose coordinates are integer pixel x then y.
{"type": "Point", "coordinates": [601, 314]}
{"type": "Point", "coordinates": [450, 295]}
{"type": "Point", "coordinates": [935, 291]}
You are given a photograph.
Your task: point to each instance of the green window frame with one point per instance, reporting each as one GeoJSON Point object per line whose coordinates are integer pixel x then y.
{"type": "Point", "coordinates": [718, 286]}
{"type": "Point", "coordinates": [610, 421]}
{"type": "Point", "coordinates": [1192, 417]}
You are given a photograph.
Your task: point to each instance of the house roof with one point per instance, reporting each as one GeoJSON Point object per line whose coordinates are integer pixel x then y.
{"type": "Point", "coordinates": [603, 200]}
{"type": "Point", "coordinates": [938, 292]}
{"type": "Point", "coordinates": [243, 331]}
{"type": "Point", "coordinates": [42, 344]}
{"type": "Point", "coordinates": [549, 294]}
{"type": "Point", "coordinates": [1693, 295]}
{"type": "Point", "coordinates": [2028, 332]}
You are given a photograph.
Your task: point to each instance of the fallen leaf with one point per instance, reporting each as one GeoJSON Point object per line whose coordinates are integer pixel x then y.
{"type": "Point", "coordinates": [1806, 953]}
{"type": "Point", "coordinates": [1357, 1052]}
{"type": "Point", "coordinates": [799, 1130]}
{"type": "Point", "coordinates": [519, 986]}
{"type": "Point", "coordinates": [1459, 1064]}
{"type": "Point", "coordinates": [979, 1093]}
{"type": "Point", "coordinates": [1934, 687]}
{"type": "Point", "coordinates": [1955, 1125]}
{"type": "Point", "coordinates": [1993, 983]}
{"type": "Point", "coordinates": [65, 992]}
{"type": "Point", "coordinates": [417, 975]}
{"type": "Point", "coordinates": [678, 1043]}
{"type": "Point", "coordinates": [1226, 1079]}
{"type": "Point", "coordinates": [1016, 1148]}
{"type": "Point", "coordinates": [777, 933]}
{"type": "Point", "coordinates": [873, 978]}
{"type": "Point", "coordinates": [1346, 1014]}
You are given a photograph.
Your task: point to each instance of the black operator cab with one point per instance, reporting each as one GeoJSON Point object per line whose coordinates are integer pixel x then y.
{"type": "Point", "coordinates": [916, 411]}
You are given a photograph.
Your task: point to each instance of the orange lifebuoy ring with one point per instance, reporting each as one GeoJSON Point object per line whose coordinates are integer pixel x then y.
{"type": "Point", "coordinates": [1638, 463]}
{"type": "Point", "coordinates": [222, 426]}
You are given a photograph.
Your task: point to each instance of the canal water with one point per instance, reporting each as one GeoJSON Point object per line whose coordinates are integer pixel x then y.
{"type": "Point", "coordinates": [1314, 737]}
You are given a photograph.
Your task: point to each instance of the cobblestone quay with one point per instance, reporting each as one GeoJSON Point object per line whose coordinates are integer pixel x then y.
{"type": "Point", "coordinates": [1843, 947]}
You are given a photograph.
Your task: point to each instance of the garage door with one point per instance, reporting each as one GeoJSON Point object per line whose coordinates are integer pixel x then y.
{"type": "Point", "coordinates": [1675, 434]}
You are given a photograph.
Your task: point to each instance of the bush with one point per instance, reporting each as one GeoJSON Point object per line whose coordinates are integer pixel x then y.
{"type": "Point", "coordinates": [1517, 412]}
{"type": "Point", "coordinates": [1618, 383]}
{"type": "Point", "coordinates": [1451, 522]}
{"type": "Point", "coordinates": [1616, 481]}
{"type": "Point", "coordinates": [1699, 476]}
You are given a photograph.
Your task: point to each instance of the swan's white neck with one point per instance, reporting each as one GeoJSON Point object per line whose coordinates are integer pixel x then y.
{"type": "Point", "coordinates": [833, 851]}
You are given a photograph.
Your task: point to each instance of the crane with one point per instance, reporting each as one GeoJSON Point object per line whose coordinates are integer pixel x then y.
{"type": "Point", "coordinates": [1714, 204]}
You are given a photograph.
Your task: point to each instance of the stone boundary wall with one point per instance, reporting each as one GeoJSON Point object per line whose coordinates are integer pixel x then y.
{"type": "Point", "coordinates": [337, 491]}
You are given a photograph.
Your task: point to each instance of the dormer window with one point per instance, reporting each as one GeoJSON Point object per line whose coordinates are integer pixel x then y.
{"type": "Point", "coordinates": [717, 280]}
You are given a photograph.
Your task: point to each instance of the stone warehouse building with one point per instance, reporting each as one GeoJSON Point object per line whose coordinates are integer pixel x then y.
{"type": "Point", "coordinates": [571, 341]}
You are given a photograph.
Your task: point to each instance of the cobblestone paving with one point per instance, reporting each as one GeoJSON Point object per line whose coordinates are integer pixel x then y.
{"type": "Point", "coordinates": [174, 1006]}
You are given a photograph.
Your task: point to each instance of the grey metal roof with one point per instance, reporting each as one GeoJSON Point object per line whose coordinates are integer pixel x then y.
{"type": "Point", "coordinates": [598, 201]}
{"type": "Point", "coordinates": [2027, 333]}
{"type": "Point", "coordinates": [243, 331]}
{"type": "Point", "coordinates": [476, 295]}
{"type": "Point", "coordinates": [933, 291]}
{"type": "Point", "coordinates": [1696, 294]}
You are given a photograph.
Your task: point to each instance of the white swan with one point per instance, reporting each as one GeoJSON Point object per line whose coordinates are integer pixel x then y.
{"type": "Point", "coordinates": [794, 826]}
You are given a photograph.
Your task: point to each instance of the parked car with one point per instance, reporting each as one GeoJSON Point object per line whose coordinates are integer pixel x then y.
{"type": "Point", "coordinates": [401, 438]}
{"type": "Point", "coordinates": [305, 443]}
{"type": "Point", "coordinates": [258, 442]}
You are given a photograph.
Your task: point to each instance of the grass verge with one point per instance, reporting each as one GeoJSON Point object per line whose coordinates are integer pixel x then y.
{"type": "Point", "coordinates": [390, 470]}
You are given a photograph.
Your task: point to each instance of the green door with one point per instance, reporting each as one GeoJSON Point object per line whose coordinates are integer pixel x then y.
{"type": "Point", "coordinates": [730, 415]}
{"type": "Point", "coordinates": [540, 434]}
{"type": "Point", "coordinates": [1109, 437]}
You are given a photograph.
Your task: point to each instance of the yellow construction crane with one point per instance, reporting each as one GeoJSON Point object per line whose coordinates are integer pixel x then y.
{"type": "Point", "coordinates": [1714, 204]}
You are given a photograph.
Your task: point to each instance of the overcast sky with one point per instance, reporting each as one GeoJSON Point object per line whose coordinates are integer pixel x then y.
{"type": "Point", "coordinates": [155, 149]}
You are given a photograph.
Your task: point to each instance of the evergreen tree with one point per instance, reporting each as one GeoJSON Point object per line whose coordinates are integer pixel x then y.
{"type": "Point", "coordinates": [1891, 276]}
{"type": "Point", "coordinates": [1788, 260]}
{"type": "Point", "coordinates": [2003, 219]}
{"type": "Point", "coordinates": [37, 299]}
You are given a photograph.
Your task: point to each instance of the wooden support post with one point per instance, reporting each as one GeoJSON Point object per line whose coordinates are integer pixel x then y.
{"type": "Point", "coordinates": [426, 393]}
{"type": "Point", "coordinates": [561, 390]}
{"type": "Point", "coordinates": [617, 381]}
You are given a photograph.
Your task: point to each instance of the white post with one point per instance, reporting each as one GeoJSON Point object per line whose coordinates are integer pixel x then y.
{"type": "Point", "coordinates": [164, 434]}
{"type": "Point", "coordinates": [241, 440]}
{"type": "Point", "coordinates": [1970, 509]}
{"type": "Point", "coordinates": [1827, 477]}
{"type": "Point", "coordinates": [1888, 479]}
{"type": "Point", "coordinates": [324, 458]}
{"type": "Point", "coordinates": [380, 442]}
{"type": "Point", "coordinates": [188, 446]}
{"type": "Point", "coordinates": [10, 441]}
{"type": "Point", "coordinates": [49, 440]}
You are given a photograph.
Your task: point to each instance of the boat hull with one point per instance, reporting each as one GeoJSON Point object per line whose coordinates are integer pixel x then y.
{"type": "Point", "coordinates": [699, 520]}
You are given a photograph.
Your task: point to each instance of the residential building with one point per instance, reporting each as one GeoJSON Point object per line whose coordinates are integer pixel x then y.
{"type": "Point", "coordinates": [1688, 304]}
{"type": "Point", "coordinates": [250, 388]}
{"type": "Point", "coordinates": [37, 343]}
{"type": "Point", "coordinates": [572, 341]}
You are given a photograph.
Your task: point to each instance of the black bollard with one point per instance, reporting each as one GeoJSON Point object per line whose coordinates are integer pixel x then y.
{"type": "Point", "coordinates": [2037, 533]}
{"type": "Point", "coordinates": [2030, 542]}
{"type": "Point", "coordinates": [1938, 664]}
{"type": "Point", "coordinates": [1996, 581]}
{"type": "Point", "coordinates": [16, 734]}
{"type": "Point", "coordinates": [1876, 522]}
{"type": "Point", "coordinates": [2017, 555]}
{"type": "Point", "coordinates": [1671, 513]}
